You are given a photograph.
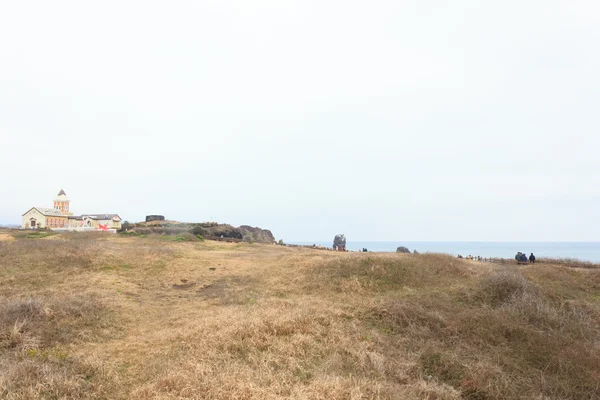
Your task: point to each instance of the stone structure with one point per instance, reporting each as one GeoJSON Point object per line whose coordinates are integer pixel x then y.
{"type": "Point", "coordinates": [339, 242]}
{"type": "Point", "coordinates": [60, 217]}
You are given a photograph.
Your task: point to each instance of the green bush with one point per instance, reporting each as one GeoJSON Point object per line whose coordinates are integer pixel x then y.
{"type": "Point", "coordinates": [125, 226]}
{"type": "Point", "coordinates": [184, 237]}
{"type": "Point", "coordinates": [39, 235]}
{"type": "Point", "coordinates": [132, 233]}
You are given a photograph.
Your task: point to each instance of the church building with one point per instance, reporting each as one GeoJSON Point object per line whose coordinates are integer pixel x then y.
{"type": "Point", "coordinates": [61, 218]}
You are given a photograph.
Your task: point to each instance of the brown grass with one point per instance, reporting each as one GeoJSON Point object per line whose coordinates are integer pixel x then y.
{"type": "Point", "coordinates": [128, 317]}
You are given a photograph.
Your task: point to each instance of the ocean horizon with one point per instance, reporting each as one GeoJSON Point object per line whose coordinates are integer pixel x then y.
{"type": "Point", "coordinates": [585, 251]}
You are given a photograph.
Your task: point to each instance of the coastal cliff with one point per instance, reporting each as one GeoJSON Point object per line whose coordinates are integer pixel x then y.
{"type": "Point", "coordinates": [206, 229]}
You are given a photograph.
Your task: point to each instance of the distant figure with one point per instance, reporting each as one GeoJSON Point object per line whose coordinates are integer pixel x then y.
{"type": "Point", "coordinates": [518, 256]}
{"type": "Point", "coordinates": [459, 256]}
{"type": "Point", "coordinates": [523, 257]}
{"type": "Point", "coordinates": [532, 258]}
{"type": "Point", "coordinates": [365, 250]}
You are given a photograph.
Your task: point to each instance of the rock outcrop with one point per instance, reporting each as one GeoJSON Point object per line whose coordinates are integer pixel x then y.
{"type": "Point", "coordinates": [402, 249]}
{"type": "Point", "coordinates": [255, 234]}
{"type": "Point", "coordinates": [222, 230]}
{"type": "Point", "coordinates": [339, 242]}
{"type": "Point", "coordinates": [206, 229]}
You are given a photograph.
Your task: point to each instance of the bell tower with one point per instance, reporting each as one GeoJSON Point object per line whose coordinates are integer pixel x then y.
{"type": "Point", "coordinates": [61, 203]}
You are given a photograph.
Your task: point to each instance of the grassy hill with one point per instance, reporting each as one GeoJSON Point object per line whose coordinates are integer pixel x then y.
{"type": "Point", "coordinates": [88, 316]}
{"type": "Point", "coordinates": [206, 229]}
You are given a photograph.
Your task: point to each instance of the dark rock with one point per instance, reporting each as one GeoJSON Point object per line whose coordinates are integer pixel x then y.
{"type": "Point", "coordinates": [150, 218]}
{"type": "Point", "coordinates": [402, 249]}
{"type": "Point", "coordinates": [253, 234]}
{"type": "Point", "coordinates": [224, 231]}
{"type": "Point", "coordinates": [340, 242]}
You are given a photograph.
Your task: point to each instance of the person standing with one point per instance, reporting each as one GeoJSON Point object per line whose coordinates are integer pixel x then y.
{"type": "Point", "coordinates": [532, 258]}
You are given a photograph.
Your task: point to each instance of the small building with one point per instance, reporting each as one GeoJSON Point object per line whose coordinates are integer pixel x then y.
{"type": "Point", "coordinates": [39, 218]}
{"type": "Point", "coordinates": [60, 217]}
{"type": "Point", "coordinates": [101, 221]}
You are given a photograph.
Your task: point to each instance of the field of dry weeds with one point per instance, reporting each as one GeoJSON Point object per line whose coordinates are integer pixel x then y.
{"type": "Point", "coordinates": [107, 317]}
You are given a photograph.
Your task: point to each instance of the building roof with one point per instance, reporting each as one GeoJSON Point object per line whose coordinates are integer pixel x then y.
{"type": "Point", "coordinates": [51, 212]}
{"type": "Point", "coordinates": [100, 216]}
{"type": "Point", "coordinates": [61, 196]}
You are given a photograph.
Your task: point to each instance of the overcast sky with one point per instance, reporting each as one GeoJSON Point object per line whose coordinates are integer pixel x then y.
{"type": "Point", "coordinates": [383, 120]}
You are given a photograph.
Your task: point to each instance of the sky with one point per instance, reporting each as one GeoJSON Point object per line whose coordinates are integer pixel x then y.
{"type": "Point", "coordinates": [383, 120]}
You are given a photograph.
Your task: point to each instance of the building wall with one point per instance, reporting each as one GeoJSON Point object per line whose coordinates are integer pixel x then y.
{"type": "Point", "coordinates": [111, 223]}
{"type": "Point", "coordinates": [56, 222]}
{"type": "Point", "coordinates": [63, 206]}
{"type": "Point", "coordinates": [33, 213]}
{"type": "Point", "coordinates": [74, 223]}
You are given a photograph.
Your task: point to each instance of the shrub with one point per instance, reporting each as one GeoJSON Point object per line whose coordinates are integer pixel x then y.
{"type": "Point", "coordinates": [125, 226]}
{"type": "Point", "coordinates": [184, 237]}
{"type": "Point", "coordinates": [39, 235]}
{"type": "Point", "coordinates": [130, 233]}
{"type": "Point", "coordinates": [501, 287]}
{"type": "Point", "coordinates": [199, 231]}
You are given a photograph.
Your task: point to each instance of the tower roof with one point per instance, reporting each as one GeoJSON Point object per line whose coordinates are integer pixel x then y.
{"type": "Point", "coordinates": [61, 196]}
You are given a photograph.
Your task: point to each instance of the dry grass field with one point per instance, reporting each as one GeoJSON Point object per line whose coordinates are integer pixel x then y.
{"type": "Point", "coordinates": [110, 317]}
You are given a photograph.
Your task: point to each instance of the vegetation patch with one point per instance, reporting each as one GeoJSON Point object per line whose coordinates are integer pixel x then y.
{"type": "Point", "coordinates": [146, 318]}
{"type": "Point", "coordinates": [35, 333]}
{"type": "Point", "coordinates": [380, 273]}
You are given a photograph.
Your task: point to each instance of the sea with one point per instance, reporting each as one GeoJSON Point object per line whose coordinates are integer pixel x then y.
{"type": "Point", "coordinates": [585, 251]}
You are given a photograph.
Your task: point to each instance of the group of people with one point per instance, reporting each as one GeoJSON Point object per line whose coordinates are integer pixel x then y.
{"type": "Point", "coordinates": [476, 258]}
{"type": "Point", "coordinates": [522, 258]}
